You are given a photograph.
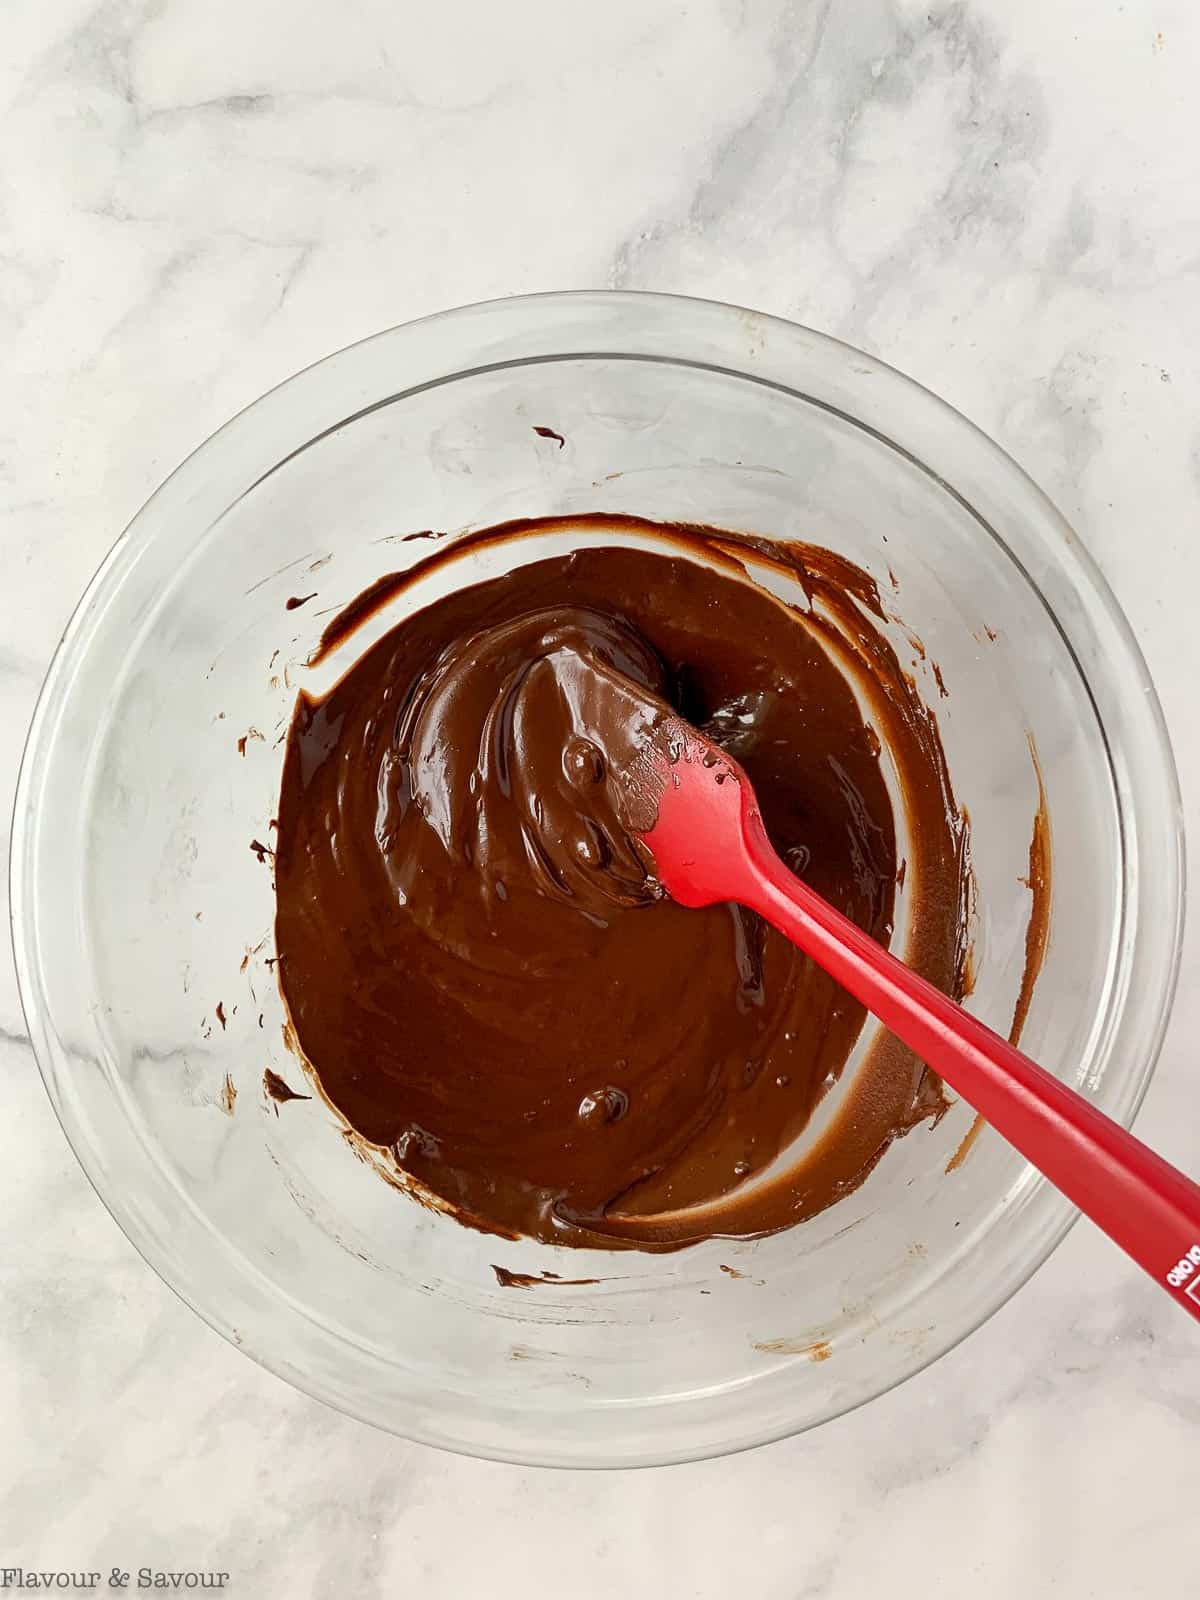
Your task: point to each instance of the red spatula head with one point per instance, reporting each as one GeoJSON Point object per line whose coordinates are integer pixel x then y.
{"type": "Point", "coordinates": [708, 820]}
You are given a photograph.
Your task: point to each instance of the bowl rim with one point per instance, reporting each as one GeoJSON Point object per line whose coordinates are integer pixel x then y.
{"type": "Point", "coordinates": [648, 326]}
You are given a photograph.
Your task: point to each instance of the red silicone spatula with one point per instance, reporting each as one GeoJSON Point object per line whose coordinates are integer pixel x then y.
{"type": "Point", "coordinates": [709, 844]}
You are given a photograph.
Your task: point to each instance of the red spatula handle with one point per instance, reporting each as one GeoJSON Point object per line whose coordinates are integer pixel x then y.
{"type": "Point", "coordinates": [1142, 1202]}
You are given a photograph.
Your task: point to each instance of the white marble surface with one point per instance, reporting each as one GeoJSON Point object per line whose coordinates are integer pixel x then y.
{"type": "Point", "coordinates": [1002, 197]}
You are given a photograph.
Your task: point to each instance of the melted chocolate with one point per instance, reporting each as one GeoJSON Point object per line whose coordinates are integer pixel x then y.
{"type": "Point", "coordinates": [478, 965]}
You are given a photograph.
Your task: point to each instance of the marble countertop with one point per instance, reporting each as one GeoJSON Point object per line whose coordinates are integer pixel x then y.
{"type": "Point", "coordinates": [1002, 198]}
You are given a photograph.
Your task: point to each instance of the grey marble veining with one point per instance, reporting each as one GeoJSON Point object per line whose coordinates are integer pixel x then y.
{"type": "Point", "coordinates": [998, 196]}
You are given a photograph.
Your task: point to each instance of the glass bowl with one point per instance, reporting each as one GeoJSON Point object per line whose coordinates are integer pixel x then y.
{"type": "Point", "coordinates": [139, 906]}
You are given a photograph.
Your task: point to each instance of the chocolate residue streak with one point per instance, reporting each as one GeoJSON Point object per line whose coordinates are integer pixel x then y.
{"type": "Point", "coordinates": [1037, 935]}
{"type": "Point", "coordinates": [481, 974]}
{"type": "Point", "coordinates": [250, 733]}
{"type": "Point", "coordinates": [298, 600]}
{"type": "Point", "coordinates": [549, 433]}
{"type": "Point", "coordinates": [967, 1145]}
{"type": "Point", "coordinates": [228, 1096]}
{"type": "Point", "coordinates": [262, 851]}
{"type": "Point", "coordinates": [360, 609]}
{"type": "Point", "coordinates": [940, 681]}
{"type": "Point", "coordinates": [1037, 932]}
{"type": "Point", "coordinates": [251, 951]}
{"type": "Point", "coordinates": [536, 1280]}
{"type": "Point", "coordinates": [730, 1272]}
{"type": "Point", "coordinates": [219, 1013]}
{"type": "Point", "coordinates": [278, 1090]}
{"type": "Point", "coordinates": [818, 1350]}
